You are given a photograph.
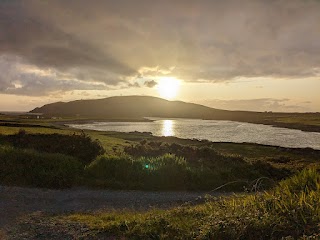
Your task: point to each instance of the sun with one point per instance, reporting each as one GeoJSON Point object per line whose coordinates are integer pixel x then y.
{"type": "Point", "coordinates": [168, 87]}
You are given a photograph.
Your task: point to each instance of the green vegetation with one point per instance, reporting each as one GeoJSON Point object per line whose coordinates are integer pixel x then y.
{"type": "Point", "coordinates": [170, 172]}
{"type": "Point", "coordinates": [172, 163]}
{"type": "Point", "coordinates": [80, 146]}
{"type": "Point", "coordinates": [287, 158]}
{"type": "Point", "coordinates": [24, 167]}
{"type": "Point", "coordinates": [304, 121]}
{"type": "Point", "coordinates": [190, 167]}
{"type": "Point", "coordinates": [147, 165]}
{"type": "Point", "coordinates": [291, 210]}
{"type": "Point", "coordinates": [299, 118]}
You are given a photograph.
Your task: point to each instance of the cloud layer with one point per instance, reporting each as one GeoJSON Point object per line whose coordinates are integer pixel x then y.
{"type": "Point", "coordinates": [259, 104]}
{"type": "Point", "coordinates": [97, 44]}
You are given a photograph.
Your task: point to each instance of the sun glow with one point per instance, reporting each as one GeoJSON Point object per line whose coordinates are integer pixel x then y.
{"type": "Point", "coordinates": [168, 128]}
{"type": "Point", "coordinates": [168, 87]}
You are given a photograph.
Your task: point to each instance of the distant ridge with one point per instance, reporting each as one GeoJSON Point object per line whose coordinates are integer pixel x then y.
{"type": "Point", "coordinates": [136, 107]}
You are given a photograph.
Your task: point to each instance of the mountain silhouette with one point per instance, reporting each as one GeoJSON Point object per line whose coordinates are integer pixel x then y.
{"type": "Point", "coordinates": [136, 107]}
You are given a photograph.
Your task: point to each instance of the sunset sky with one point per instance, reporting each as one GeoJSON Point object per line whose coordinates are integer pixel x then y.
{"type": "Point", "coordinates": [240, 55]}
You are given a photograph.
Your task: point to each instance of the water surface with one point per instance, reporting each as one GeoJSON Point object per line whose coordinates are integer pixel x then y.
{"type": "Point", "coordinates": [215, 131]}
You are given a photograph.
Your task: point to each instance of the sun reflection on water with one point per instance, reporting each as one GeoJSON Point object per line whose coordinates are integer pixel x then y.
{"type": "Point", "coordinates": [167, 128]}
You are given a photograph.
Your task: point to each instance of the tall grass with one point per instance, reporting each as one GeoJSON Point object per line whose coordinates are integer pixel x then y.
{"type": "Point", "coordinates": [297, 200]}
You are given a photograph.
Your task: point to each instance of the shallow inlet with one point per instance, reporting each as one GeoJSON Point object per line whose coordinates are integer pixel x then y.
{"type": "Point", "coordinates": [215, 131]}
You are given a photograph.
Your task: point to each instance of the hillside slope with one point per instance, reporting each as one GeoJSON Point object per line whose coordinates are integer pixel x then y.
{"type": "Point", "coordinates": [130, 107]}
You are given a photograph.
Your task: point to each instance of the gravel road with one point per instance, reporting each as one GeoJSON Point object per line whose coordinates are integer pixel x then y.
{"type": "Point", "coordinates": [16, 201]}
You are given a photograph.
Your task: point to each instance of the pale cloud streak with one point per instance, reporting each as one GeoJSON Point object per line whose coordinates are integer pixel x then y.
{"type": "Point", "coordinates": [259, 104]}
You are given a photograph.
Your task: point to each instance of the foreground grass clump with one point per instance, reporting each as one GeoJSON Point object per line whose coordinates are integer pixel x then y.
{"type": "Point", "coordinates": [290, 211]}
{"type": "Point", "coordinates": [297, 200]}
{"type": "Point", "coordinates": [202, 169]}
{"type": "Point", "coordinates": [207, 156]}
{"type": "Point", "coordinates": [25, 167]}
{"type": "Point", "coordinates": [167, 172]}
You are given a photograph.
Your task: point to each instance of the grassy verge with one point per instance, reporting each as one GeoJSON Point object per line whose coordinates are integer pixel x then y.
{"type": "Point", "coordinates": [291, 211]}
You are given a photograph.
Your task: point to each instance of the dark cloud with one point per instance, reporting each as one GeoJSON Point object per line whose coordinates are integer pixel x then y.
{"type": "Point", "coordinates": [150, 84]}
{"type": "Point", "coordinates": [45, 45]}
{"type": "Point", "coordinates": [205, 40]}
{"type": "Point", "coordinates": [42, 43]}
{"type": "Point", "coordinates": [134, 85]}
{"type": "Point", "coordinates": [17, 78]}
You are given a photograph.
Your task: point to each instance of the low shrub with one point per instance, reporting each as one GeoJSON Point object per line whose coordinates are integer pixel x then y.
{"type": "Point", "coordinates": [154, 149]}
{"type": "Point", "coordinates": [168, 172]}
{"type": "Point", "coordinates": [25, 167]}
{"type": "Point", "coordinates": [115, 172]}
{"type": "Point", "coordinates": [80, 146]}
{"type": "Point", "coordinates": [165, 172]}
{"type": "Point", "coordinates": [208, 168]}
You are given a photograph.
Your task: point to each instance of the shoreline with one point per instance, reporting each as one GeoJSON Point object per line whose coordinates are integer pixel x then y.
{"type": "Point", "coordinates": [150, 134]}
{"type": "Point", "coordinates": [269, 122]}
{"type": "Point", "coordinates": [301, 127]}
{"type": "Point", "coordinates": [89, 121]}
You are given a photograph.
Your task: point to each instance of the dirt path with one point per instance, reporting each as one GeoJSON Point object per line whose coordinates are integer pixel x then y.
{"type": "Point", "coordinates": [16, 202]}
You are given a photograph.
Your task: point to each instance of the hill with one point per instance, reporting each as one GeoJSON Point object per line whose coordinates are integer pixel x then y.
{"type": "Point", "coordinates": [137, 107]}
{"type": "Point", "coordinates": [132, 107]}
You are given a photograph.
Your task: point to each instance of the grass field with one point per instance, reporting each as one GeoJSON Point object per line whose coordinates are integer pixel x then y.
{"type": "Point", "coordinates": [305, 120]}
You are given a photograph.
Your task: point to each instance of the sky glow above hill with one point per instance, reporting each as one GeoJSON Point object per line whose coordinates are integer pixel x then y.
{"type": "Point", "coordinates": [254, 55]}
